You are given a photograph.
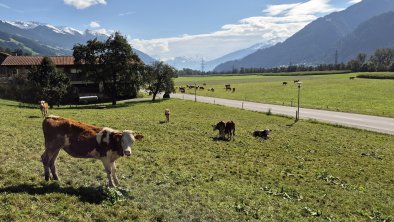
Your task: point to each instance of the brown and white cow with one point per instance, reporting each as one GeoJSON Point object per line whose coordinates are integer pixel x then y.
{"type": "Point", "coordinates": [230, 129]}
{"type": "Point", "coordinates": [221, 126]}
{"type": "Point", "coordinates": [167, 114]}
{"type": "Point", "coordinates": [85, 141]}
{"type": "Point", "coordinates": [44, 108]}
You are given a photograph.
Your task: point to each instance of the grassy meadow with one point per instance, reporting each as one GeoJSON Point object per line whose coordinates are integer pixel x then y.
{"type": "Point", "coordinates": [306, 172]}
{"type": "Point", "coordinates": [329, 92]}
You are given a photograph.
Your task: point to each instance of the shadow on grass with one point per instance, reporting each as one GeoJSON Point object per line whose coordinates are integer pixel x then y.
{"type": "Point", "coordinates": [109, 106]}
{"type": "Point", "coordinates": [292, 124]}
{"type": "Point", "coordinates": [34, 117]}
{"type": "Point", "coordinates": [93, 195]}
{"type": "Point", "coordinates": [217, 138]}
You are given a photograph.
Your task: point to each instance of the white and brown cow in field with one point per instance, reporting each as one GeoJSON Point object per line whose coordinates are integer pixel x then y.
{"type": "Point", "coordinates": [44, 108]}
{"type": "Point", "coordinates": [85, 141]}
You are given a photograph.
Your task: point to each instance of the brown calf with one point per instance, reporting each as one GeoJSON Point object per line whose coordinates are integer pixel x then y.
{"type": "Point", "coordinates": [167, 114]}
{"type": "Point", "coordinates": [85, 141]}
{"type": "Point", "coordinates": [221, 126]}
{"type": "Point", "coordinates": [44, 108]}
{"type": "Point", "coordinates": [262, 133]}
{"type": "Point", "coordinates": [230, 130]}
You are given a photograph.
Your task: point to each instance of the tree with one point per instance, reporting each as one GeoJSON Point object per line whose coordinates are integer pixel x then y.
{"type": "Point", "coordinates": [159, 78]}
{"type": "Point", "coordinates": [382, 59]}
{"type": "Point", "coordinates": [52, 85]}
{"type": "Point", "coordinates": [111, 63]}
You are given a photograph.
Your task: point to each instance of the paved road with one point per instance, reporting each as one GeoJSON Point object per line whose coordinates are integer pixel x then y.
{"type": "Point", "coordinates": [372, 123]}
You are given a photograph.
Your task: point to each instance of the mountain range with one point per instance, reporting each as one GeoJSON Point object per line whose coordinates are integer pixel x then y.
{"type": "Point", "coordinates": [359, 28]}
{"type": "Point", "coordinates": [197, 62]}
{"type": "Point", "coordinates": [45, 39]}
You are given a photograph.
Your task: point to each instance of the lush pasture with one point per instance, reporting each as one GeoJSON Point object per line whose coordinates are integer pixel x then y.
{"type": "Point", "coordinates": [306, 172]}
{"type": "Point", "coordinates": [329, 92]}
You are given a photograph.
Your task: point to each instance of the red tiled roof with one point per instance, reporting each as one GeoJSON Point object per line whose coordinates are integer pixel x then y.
{"type": "Point", "coordinates": [36, 60]}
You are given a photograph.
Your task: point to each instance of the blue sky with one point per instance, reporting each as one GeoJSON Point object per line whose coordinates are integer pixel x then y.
{"type": "Point", "coordinates": [171, 28]}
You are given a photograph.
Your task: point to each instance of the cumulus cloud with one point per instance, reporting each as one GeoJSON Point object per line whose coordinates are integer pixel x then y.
{"type": "Point", "coordinates": [94, 24]}
{"type": "Point", "coordinates": [277, 23]}
{"type": "Point", "coordinates": [82, 4]}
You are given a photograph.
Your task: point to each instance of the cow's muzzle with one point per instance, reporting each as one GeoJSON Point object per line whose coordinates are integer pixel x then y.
{"type": "Point", "coordinates": [127, 152]}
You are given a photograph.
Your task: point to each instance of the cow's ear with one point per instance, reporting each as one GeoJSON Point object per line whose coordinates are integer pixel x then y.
{"type": "Point", "coordinates": [139, 137]}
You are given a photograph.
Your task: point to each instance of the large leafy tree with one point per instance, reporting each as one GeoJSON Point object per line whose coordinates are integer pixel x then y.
{"type": "Point", "coordinates": [52, 85]}
{"type": "Point", "coordinates": [111, 63]}
{"type": "Point", "coordinates": [159, 77]}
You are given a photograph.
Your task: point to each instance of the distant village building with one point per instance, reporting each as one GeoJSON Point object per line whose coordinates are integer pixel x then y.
{"type": "Point", "coordinates": [15, 65]}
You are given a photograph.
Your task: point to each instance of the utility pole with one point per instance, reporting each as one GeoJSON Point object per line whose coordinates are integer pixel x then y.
{"type": "Point", "coordinates": [195, 92]}
{"type": "Point", "coordinates": [202, 66]}
{"type": "Point", "coordinates": [299, 96]}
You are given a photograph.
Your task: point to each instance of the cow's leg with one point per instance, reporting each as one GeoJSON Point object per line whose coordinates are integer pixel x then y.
{"type": "Point", "coordinates": [52, 164]}
{"type": "Point", "coordinates": [45, 162]}
{"type": "Point", "coordinates": [51, 149]}
{"type": "Point", "coordinates": [114, 177]}
{"type": "Point", "coordinates": [107, 166]}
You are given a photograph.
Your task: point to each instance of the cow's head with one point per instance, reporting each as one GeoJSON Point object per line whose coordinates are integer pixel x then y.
{"type": "Point", "coordinates": [128, 139]}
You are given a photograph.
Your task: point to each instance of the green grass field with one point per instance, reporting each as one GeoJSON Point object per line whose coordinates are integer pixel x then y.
{"type": "Point", "coordinates": [306, 172]}
{"type": "Point", "coordinates": [329, 92]}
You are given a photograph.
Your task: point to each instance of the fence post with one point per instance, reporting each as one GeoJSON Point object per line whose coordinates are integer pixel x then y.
{"type": "Point", "coordinates": [242, 105]}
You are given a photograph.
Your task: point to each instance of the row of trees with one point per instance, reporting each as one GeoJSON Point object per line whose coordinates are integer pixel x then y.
{"type": "Point", "coordinates": [16, 52]}
{"type": "Point", "coordinates": [111, 63]}
{"type": "Point", "coordinates": [381, 61]}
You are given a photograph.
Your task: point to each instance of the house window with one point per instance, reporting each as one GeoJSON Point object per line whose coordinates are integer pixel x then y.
{"type": "Point", "coordinates": [75, 71]}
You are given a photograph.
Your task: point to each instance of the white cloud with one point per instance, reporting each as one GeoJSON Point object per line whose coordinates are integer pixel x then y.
{"type": "Point", "coordinates": [308, 8]}
{"type": "Point", "coordinates": [102, 31]}
{"type": "Point", "coordinates": [82, 4]}
{"type": "Point", "coordinates": [94, 24]}
{"type": "Point", "coordinates": [354, 1]}
{"type": "Point", "coordinates": [277, 24]}
{"type": "Point", "coordinates": [126, 13]}
{"type": "Point", "coordinates": [4, 6]}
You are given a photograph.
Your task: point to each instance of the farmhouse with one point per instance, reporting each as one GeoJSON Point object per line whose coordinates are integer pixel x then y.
{"type": "Point", "coordinates": [20, 65]}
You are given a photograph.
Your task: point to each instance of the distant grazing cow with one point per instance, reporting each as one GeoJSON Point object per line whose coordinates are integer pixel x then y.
{"type": "Point", "coordinates": [262, 133]}
{"type": "Point", "coordinates": [284, 83]}
{"type": "Point", "coordinates": [44, 108]}
{"type": "Point", "coordinates": [221, 126]}
{"type": "Point", "coordinates": [167, 114]}
{"type": "Point", "coordinates": [296, 81]}
{"type": "Point", "coordinates": [230, 129]}
{"type": "Point", "coordinates": [233, 89]}
{"type": "Point", "coordinates": [85, 141]}
{"type": "Point", "coordinates": [228, 87]}
{"type": "Point", "coordinates": [201, 88]}
{"type": "Point", "coordinates": [182, 89]}
{"type": "Point", "coordinates": [352, 77]}
{"type": "Point", "coordinates": [211, 89]}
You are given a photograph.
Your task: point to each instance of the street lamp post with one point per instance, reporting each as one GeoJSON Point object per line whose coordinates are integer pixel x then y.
{"type": "Point", "coordinates": [299, 95]}
{"type": "Point", "coordinates": [195, 92]}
